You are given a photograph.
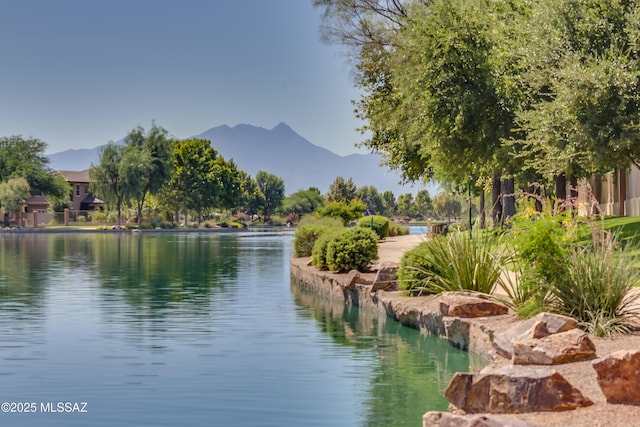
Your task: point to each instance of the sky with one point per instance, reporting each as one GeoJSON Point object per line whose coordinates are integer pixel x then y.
{"type": "Point", "coordinates": [80, 73]}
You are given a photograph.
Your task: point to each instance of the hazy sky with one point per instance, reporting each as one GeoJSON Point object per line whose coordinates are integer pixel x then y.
{"type": "Point", "coordinates": [78, 73]}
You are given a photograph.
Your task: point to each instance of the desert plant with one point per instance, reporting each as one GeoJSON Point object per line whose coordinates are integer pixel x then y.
{"type": "Point", "coordinates": [460, 263]}
{"type": "Point", "coordinates": [377, 223]}
{"type": "Point", "coordinates": [353, 248]}
{"type": "Point", "coordinates": [598, 288]}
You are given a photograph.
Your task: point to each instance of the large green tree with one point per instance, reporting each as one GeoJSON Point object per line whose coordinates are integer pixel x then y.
{"type": "Point", "coordinates": [272, 187]}
{"type": "Point", "coordinates": [154, 147]}
{"type": "Point", "coordinates": [370, 196]}
{"type": "Point", "coordinates": [251, 198]}
{"type": "Point", "coordinates": [109, 179]}
{"type": "Point", "coordinates": [25, 158]}
{"type": "Point", "coordinates": [303, 202]}
{"type": "Point", "coordinates": [341, 190]}
{"type": "Point", "coordinates": [201, 179]}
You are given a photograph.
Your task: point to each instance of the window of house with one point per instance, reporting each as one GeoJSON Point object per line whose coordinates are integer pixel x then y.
{"type": "Point", "coordinates": [86, 189]}
{"type": "Point", "coordinates": [77, 189]}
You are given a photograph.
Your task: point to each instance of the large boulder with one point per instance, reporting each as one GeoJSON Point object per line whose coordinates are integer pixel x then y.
{"type": "Point", "coordinates": [540, 326]}
{"type": "Point", "coordinates": [562, 347]}
{"type": "Point", "coordinates": [466, 305]}
{"type": "Point", "coordinates": [513, 389]}
{"type": "Point", "coordinates": [619, 376]}
{"type": "Point", "coordinates": [447, 419]}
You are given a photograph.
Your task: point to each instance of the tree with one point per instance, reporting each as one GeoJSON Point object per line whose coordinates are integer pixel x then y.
{"type": "Point", "coordinates": [423, 205]}
{"type": "Point", "coordinates": [25, 158]}
{"type": "Point", "coordinates": [251, 199]}
{"type": "Point", "coordinates": [389, 204]}
{"type": "Point", "coordinates": [272, 187]}
{"type": "Point", "coordinates": [59, 203]}
{"type": "Point", "coordinates": [200, 178]}
{"type": "Point", "coordinates": [154, 147]}
{"type": "Point", "coordinates": [13, 193]}
{"type": "Point", "coordinates": [446, 206]}
{"type": "Point", "coordinates": [344, 211]}
{"type": "Point", "coordinates": [303, 202]}
{"type": "Point", "coordinates": [369, 195]}
{"type": "Point", "coordinates": [107, 177]}
{"type": "Point", "coordinates": [405, 204]}
{"type": "Point", "coordinates": [341, 190]}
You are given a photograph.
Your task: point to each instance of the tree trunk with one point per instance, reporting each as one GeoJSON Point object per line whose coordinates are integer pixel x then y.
{"type": "Point", "coordinates": [561, 192]}
{"type": "Point", "coordinates": [496, 202]}
{"type": "Point", "coordinates": [508, 199]}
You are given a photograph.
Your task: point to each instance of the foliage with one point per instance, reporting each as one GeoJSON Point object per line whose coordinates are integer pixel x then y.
{"type": "Point", "coordinates": [272, 188]}
{"type": "Point", "coordinates": [149, 158]}
{"type": "Point", "coordinates": [25, 158]}
{"type": "Point", "coordinates": [341, 190]}
{"type": "Point", "coordinates": [308, 231]}
{"type": "Point", "coordinates": [107, 179]}
{"type": "Point", "coordinates": [251, 199]}
{"type": "Point", "coordinates": [13, 192]}
{"type": "Point", "coordinates": [59, 199]}
{"type": "Point", "coordinates": [319, 251]}
{"type": "Point", "coordinates": [303, 202]}
{"type": "Point", "coordinates": [389, 204]}
{"type": "Point", "coordinates": [200, 178]}
{"type": "Point", "coordinates": [458, 263]}
{"type": "Point", "coordinates": [397, 229]}
{"type": "Point", "coordinates": [446, 206]}
{"type": "Point", "coordinates": [377, 223]}
{"type": "Point", "coordinates": [343, 211]}
{"type": "Point", "coordinates": [413, 275]}
{"type": "Point", "coordinates": [369, 195]}
{"type": "Point", "coordinates": [597, 289]}
{"type": "Point", "coordinates": [354, 248]}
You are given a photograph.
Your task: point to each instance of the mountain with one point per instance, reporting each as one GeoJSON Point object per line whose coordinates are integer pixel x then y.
{"type": "Point", "coordinates": [280, 151]}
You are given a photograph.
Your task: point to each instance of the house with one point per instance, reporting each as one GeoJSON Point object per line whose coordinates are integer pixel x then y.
{"type": "Point", "coordinates": [80, 196]}
{"type": "Point", "coordinates": [614, 193]}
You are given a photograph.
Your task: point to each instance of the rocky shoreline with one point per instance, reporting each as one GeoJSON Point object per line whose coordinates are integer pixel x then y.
{"type": "Point", "coordinates": [477, 334]}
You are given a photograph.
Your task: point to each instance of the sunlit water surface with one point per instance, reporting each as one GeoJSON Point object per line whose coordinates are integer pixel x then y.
{"type": "Point", "coordinates": [199, 330]}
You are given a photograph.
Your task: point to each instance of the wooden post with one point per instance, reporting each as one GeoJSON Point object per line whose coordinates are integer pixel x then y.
{"type": "Point", "coordinates": [35, 219]}
{"type": "Point", "coordinates": [66, 217]}
{"type": "Point", "coordinates": [622, 191]}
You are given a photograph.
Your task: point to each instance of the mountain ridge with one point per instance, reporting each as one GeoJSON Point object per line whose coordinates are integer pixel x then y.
{"type": "Point", "coordinates": [280, 151]}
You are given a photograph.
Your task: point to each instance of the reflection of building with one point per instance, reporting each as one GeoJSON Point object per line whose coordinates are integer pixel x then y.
{"type": "Point", "coordinates": [81, 198]}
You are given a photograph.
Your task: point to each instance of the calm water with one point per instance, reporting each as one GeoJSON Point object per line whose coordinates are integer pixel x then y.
{"type": "Point", "coordinates": [199, 330]}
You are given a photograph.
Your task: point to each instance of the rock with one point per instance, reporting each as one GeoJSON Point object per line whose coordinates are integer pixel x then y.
{"type": "Point", "coordinates": [447, 419]}
{"type": "Point", "coordinates": [563, 347]}
{"type": "Point", "coordinates": [461, 304]}
{"type": "Point", "coordinates": [619, 376]}
{"type": "Point", "coordinates": [352, 278]}
{"type": "Point", "coordinates": [513, 389]}
{"type": "Point", "coordinates": [540, 326]}
{"type": "Point", "coordinates": [386, 278]}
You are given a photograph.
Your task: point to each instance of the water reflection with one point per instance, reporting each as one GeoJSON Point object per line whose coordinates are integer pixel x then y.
{"type": "Point", "coordinates": [413, 369]}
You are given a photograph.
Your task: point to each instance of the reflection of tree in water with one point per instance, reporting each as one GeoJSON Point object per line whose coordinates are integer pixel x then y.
{"type": "Point", "coordinates": [413, 369]}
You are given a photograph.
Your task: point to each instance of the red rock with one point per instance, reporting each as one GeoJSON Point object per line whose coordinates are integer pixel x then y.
{"type": "Point", "coordinates": [465, 305]}
{"type": "Point", "coordinates": [562, 347]}
{"type": "Point", "coordinates": [619, 376]}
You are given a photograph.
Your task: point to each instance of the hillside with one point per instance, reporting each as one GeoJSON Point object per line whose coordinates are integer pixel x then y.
{"type": "Point", "coordinates": [280, 151]}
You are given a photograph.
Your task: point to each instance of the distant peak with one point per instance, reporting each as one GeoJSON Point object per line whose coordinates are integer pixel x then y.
{"type": "Point", "coordinates": [282, 126]}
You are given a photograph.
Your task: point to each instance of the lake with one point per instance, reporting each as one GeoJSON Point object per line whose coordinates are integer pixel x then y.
{"type": "Point", "coordinates": [198, 329]}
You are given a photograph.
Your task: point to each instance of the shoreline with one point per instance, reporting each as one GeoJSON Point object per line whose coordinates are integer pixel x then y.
{"type": "Point", "coordinates": [471, 334]}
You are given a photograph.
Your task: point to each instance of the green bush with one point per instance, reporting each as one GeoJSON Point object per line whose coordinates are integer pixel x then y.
{"type": "Point", "coordinates": [308, 232]}
{"type": "Point", "coordinates": [415, 269]}
{"type": "Point", "coordinates": [319, 251]}
{"type": "Point", "coordinates": [98, 216]}
{"type": "Point", "coordinates": [377, 223]}
{"type": "Point", "coordinates": [353, 248]}
{"type": "Point", "coordinates": [397, 229]}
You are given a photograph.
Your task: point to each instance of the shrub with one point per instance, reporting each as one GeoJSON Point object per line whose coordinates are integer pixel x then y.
{"type": "Point", "coordinates": [353, 248]}
{"type": "Point", "coordinates": [458, 263]}
{"type": "Point", "coordinates": [377, 223]}
{"type": "Point", "coordinates": [98, 216]}
{"type": "Point", "coordinates": [597, 289]}
{"type": "Point", "coordinates": [414, 270]}
{"type": "Point", "coordinates": [319, 251]}
{"type": "Point", "coordinates": [397, 229]}
{"type": "Point", "coordinates": [308, 232]}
